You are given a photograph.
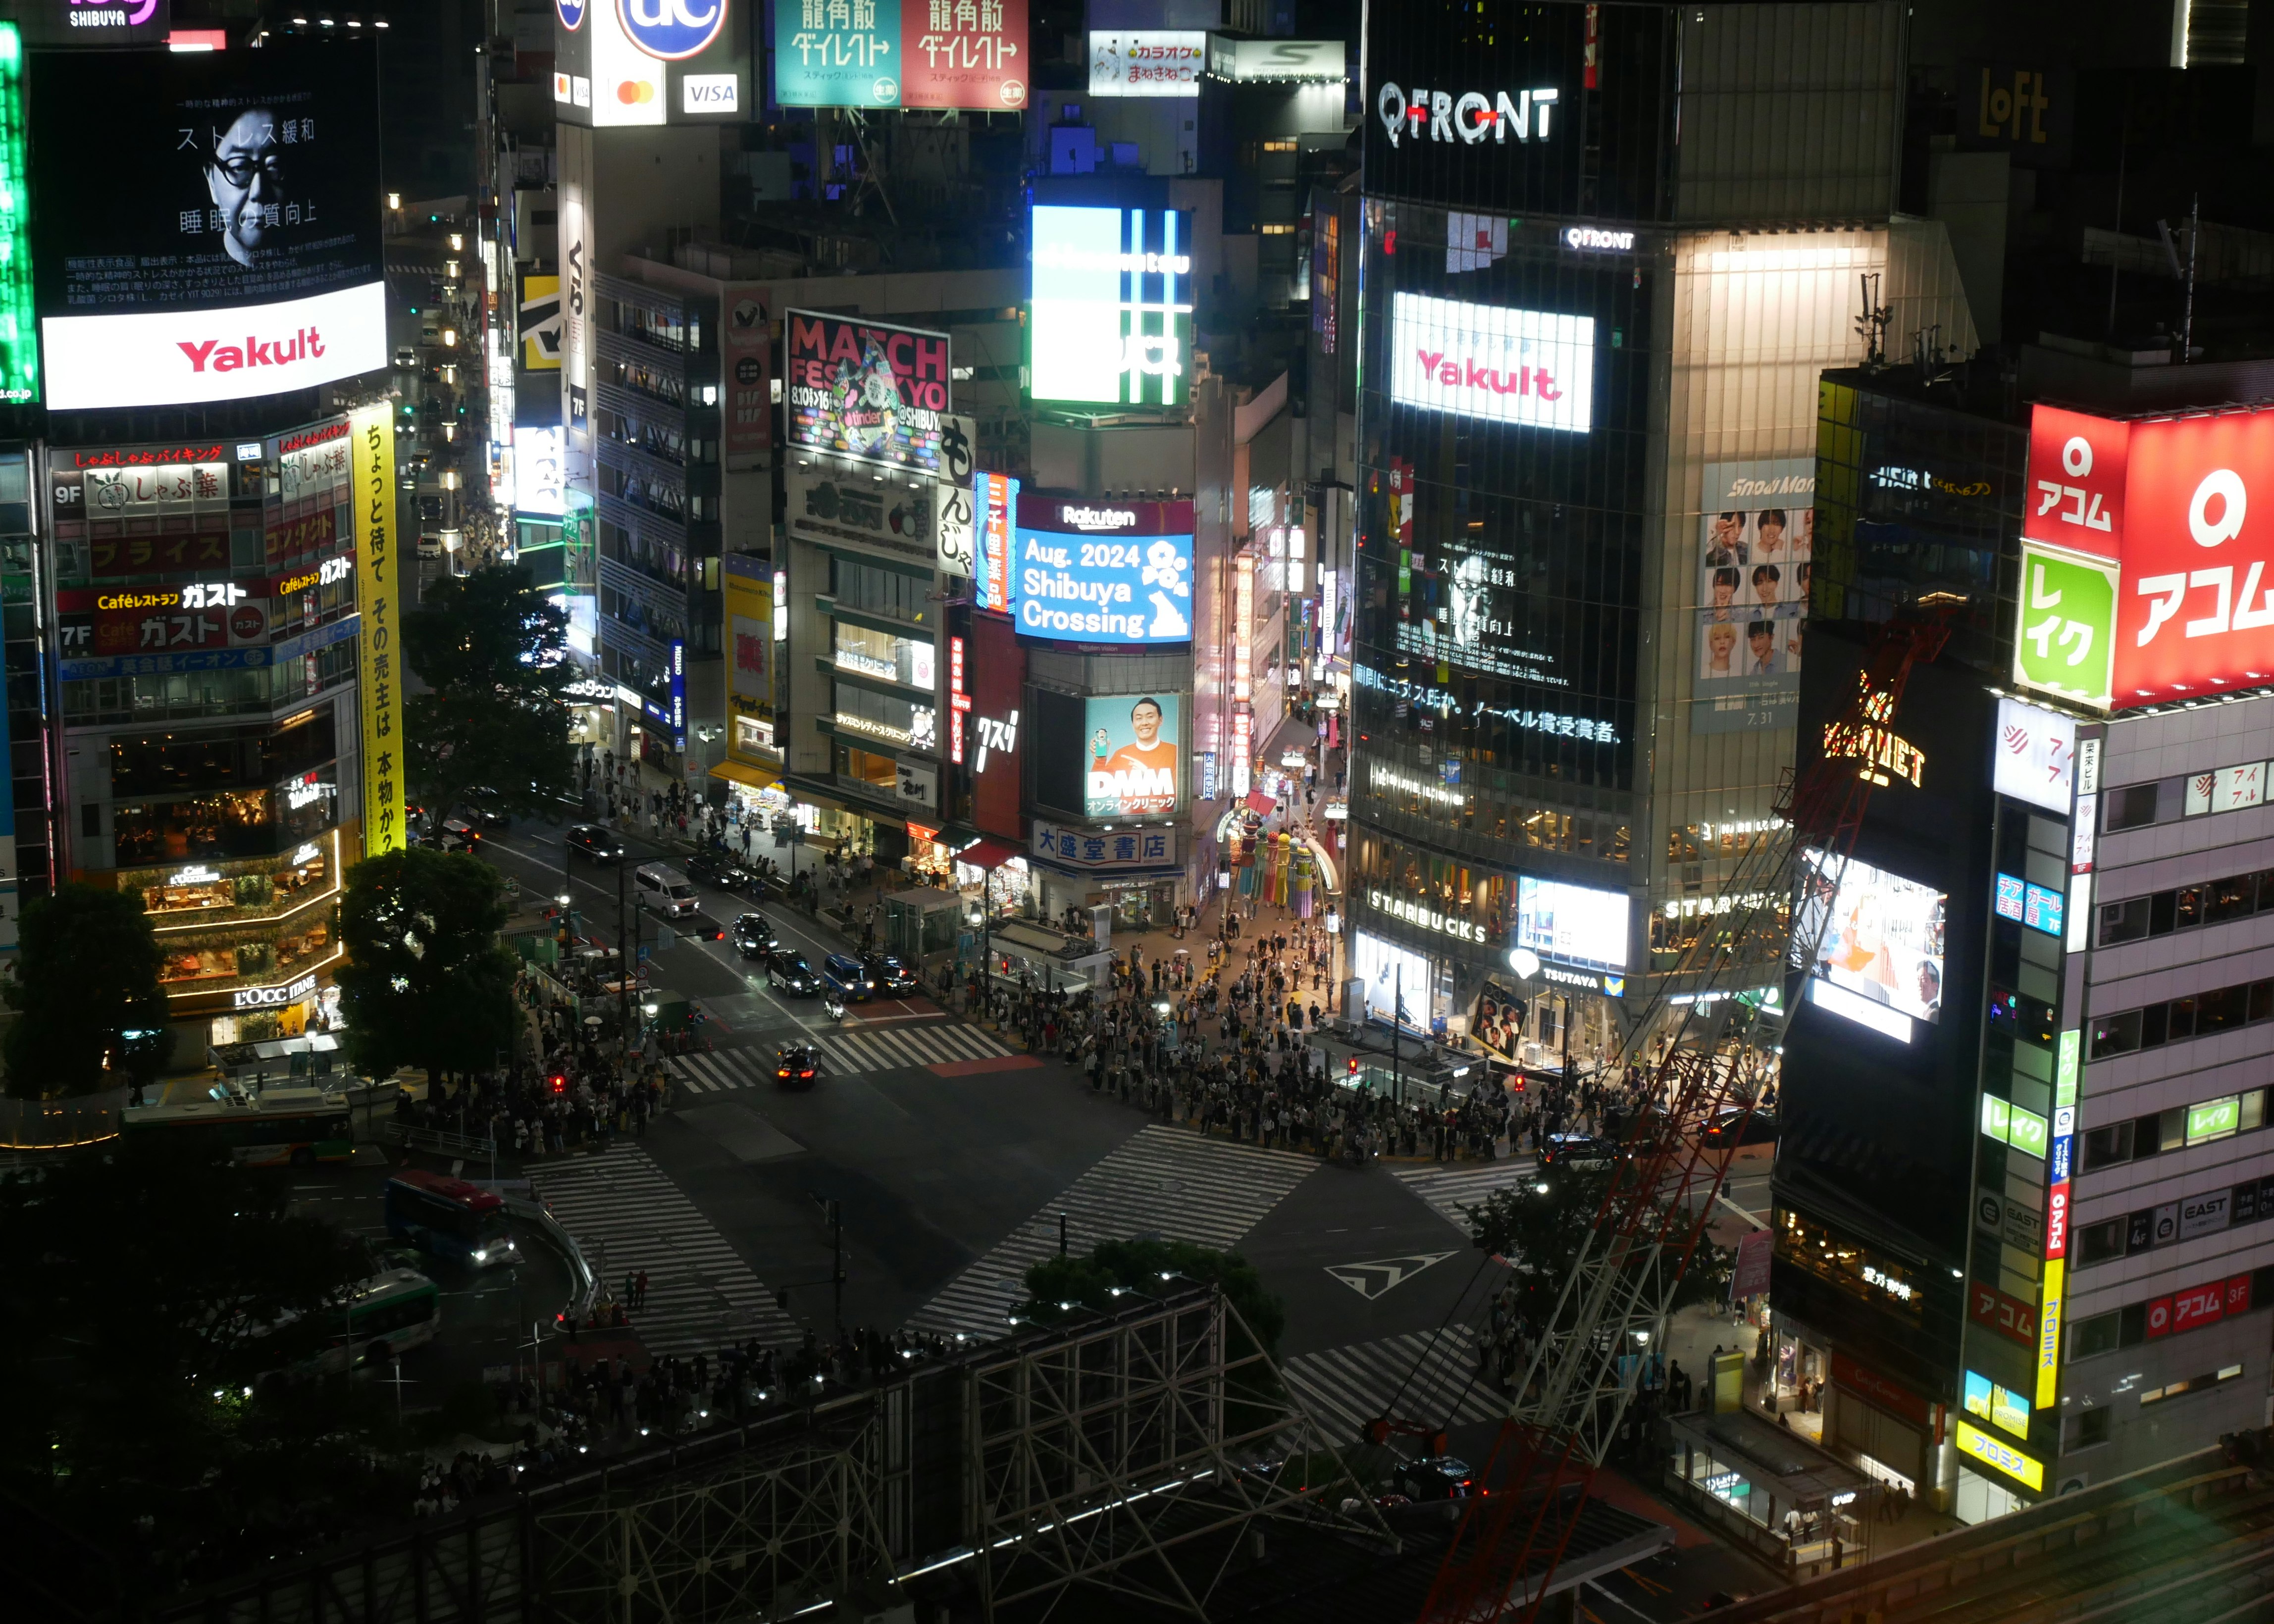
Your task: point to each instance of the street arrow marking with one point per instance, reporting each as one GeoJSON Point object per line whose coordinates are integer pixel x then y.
{"type": "Point", "coordinates": [1371, 1280]}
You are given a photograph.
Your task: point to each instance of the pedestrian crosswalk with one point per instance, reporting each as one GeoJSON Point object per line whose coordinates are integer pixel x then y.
{"type": "Point", "coordinates": [1161, 1181]}
{"type": "Point", "coordinates": [845, 1054]}
{"type": "Point", "coordinates": [626, 1216]}
{"type": "Point", "coordinates": [1426, 1377]}
{"type": "Point", "coordinates": [1450, 1185]}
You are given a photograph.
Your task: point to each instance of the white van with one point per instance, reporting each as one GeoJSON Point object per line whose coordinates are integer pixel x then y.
{"type": "Point", "coordinates": [663, 891]}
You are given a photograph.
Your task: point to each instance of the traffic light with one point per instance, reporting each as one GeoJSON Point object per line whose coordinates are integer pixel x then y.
{"type": "Point", "coordinates": [558, 1082]}
{"type": "Point", "coordinates": [1351, 1065]}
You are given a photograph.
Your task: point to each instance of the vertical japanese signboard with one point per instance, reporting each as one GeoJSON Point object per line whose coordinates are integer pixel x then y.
{"type": "Point", "coordinates": [383, 761]}
{"type": "Point", "coordinates": [750, 417]}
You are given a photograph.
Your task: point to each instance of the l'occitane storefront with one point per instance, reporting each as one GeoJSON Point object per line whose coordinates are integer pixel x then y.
{"type": "Point", "coordinates": [247, 944]}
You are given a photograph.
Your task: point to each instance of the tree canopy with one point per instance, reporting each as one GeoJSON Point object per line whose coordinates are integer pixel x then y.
{"type": "Point", "coordinates": [87, 977]}
{"type": "Point", "coordinates": [425, 981]}
{"type": "Point", "coordinates": [140, 1274]}
{"type": "Point", "coordinates": [1539, 1226]}
{"type": "Point", "coordinates": [492, 652]}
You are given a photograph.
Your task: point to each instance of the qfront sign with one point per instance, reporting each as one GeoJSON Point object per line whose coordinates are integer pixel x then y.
{"type": "Point", "coordinates": [2145, 559]}
{"type": "Point", "coordinates": [1466, 117]}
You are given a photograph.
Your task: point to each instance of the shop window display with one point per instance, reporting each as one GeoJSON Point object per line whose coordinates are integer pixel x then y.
{"type": "Point", "coordinates": [175, 897]}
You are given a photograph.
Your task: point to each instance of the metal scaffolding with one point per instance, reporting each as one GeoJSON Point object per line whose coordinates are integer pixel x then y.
{"type": "Point", "coordinates": [1140, 1455]}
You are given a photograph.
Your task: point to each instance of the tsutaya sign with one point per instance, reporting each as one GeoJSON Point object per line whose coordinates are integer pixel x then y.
{"type": "Point", "coordinates": [1466, 116]}
{"type": "Point", "coordinates": [2145, 552]}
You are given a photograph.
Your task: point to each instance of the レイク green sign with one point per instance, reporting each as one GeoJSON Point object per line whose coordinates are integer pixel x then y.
{"type": "Point", "coordinates": [2214, 1118]}
{"type": "Point", "coordinates": [2067, 643]}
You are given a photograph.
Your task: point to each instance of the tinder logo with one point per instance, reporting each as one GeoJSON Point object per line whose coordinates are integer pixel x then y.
{"type": "Point", "coordinates": [1477, 375]}
{"type": "Point", "coordinates": [306, 343]}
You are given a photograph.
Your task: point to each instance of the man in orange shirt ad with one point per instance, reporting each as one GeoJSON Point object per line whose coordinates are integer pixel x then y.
{"type": "Point", "coordinates": [1139, 777]}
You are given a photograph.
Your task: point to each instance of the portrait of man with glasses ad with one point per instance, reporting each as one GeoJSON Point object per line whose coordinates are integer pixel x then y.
{"type": "Point", "coordinates": [237, 182]}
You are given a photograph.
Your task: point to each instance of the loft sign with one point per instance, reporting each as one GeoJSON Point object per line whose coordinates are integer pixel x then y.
{"type": "Point", "coordinates": [1465, 117]}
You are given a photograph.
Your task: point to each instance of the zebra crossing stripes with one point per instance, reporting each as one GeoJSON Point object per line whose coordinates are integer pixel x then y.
{"type": "Point", "coordinates": [1449, 1185]}
{"type": "Point", "coordinates": [627, 1216]}
{"type": "Point", "coordinates": [849, 1054]}
{"type": "Point", "coordinates": [1343, 1388]}
{"type": "Point", "coordinates": [1161, 1181]}
{"type": "Point", "coordinates": [888, 1049]}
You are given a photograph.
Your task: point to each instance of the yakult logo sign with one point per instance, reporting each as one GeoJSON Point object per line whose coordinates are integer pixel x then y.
{"type": "Point", "coordinates": [177, 357]}
{"type": "Point", "coordinates": [1524, 366]}
{"type": "Point", "coordinates": [672, 30]}
{"type": "Point", "coordinates": [2183, 510]}
{"type": "Point", "coordinates": [306, 343]}
{"type": "Point", "coordinates": [1463, 117]}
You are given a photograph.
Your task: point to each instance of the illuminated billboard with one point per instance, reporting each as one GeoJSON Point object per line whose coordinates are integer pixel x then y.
{"type": "Point", "coordinates": [2145, 554]}
{"type": "Point", "coordinates": [537, 473]}
{"type": "Point", "coordinates": [20, 344]}
{"type": "Point", "coordinates": [1523, 366]}
{"type": "Point", "coordinates": [1284, 61]}
{"type": "Point", "coordinates": [1113, 306]}
{"type": "Point", "coordinates": [241, 256]}
{"type": "Point", "coordinates": [1103, 572]}
{"type": "Point", "coordinates": [867, 389]}
{"type": "Point", "coordinates": [621, 64]}
{"type": "Point", "coordinates": [1133, 752]}
{"type": "Point", "coordinates": [1154, 63]}
{"type": "Point", "coordinates": [1571, 924]}
{"type": "Point", "coordinates": [1878, 958]}
{"type": "Point", "coordinates": [1757, 542]}
{"type": "Point", "coordinates": [901, 53]}
{"type": "Point", "coordinates": [995, 506]}
{"type": "Point", "coordinates": [2035, 756]}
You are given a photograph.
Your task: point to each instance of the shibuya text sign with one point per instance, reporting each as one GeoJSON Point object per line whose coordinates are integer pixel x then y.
{"type": "Point", "coordinates": [2145, 559]}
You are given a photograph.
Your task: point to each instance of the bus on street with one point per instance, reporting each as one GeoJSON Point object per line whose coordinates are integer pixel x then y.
{"type": "Point", "coordinates": [449, 1218]}
{"type": "Point", "coordinates": [297, 1127]}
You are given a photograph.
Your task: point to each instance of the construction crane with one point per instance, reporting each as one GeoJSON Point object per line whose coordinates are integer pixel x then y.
{"type": "Point", "coordinates": [1620, 1294]}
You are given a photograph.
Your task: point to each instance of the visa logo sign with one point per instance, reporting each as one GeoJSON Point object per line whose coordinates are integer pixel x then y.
{"type": "Point", "coordinates": [711, 92]}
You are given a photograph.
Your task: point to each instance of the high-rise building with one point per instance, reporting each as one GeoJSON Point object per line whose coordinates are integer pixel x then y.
{"type": "Point", "coordinates": [1604, 253]}
{"type": "Point", "coordinates": [2019, 1198]}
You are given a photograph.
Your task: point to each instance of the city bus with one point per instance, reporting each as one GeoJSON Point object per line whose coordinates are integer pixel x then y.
{"type": "Point", "coordinates": [289, 1126]}
{"type": "Point", "coordinates": [383, 1317]}
{"type": "Point", "coordinates": [449, 1218]}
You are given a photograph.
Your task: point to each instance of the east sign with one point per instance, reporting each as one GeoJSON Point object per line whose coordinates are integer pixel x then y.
{"type": "Point", "coordinates": [2147, 557]}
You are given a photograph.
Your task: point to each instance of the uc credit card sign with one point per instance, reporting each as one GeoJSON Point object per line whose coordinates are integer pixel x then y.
{"type": "Point", "coordinates": [1103, 572]}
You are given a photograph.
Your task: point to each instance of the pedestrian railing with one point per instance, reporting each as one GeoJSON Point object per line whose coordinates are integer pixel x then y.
{"type": "Point", "coordinates": [58, 1124]}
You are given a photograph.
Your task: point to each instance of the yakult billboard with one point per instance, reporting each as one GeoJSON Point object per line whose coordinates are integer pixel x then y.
{"type": "Point", "coordinates": [1524, 366]}
{"type": "Point", "coordinates": [2146, 553]}
{"type": "Point", "coordinates": [239, 255]}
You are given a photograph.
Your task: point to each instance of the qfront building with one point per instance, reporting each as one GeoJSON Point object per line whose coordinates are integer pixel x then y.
{"type": "Point", "coordinates": [1606, 251]}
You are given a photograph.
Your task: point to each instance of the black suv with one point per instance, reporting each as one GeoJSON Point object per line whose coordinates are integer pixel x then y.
{"type": "Point", "coordinates": [1577, 1150]}
{"type": "Point", "coordinates": [888, 973]}
{"type": "Point", "coordinates": [786, 968]}
{"type": "Point", "coordinates": [595, 841]}
{"type": "Point", "coordinates": [720, 872]}
{"type": "Point", "coordinates": [754, 938]}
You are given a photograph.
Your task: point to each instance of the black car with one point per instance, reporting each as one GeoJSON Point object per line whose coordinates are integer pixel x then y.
{"type": "Point", "coordinates": [888, 973]}
{"type": "Point", "coordinates": [721, 873]}
{"type": "Point", "coordinates": [795, 1066]}
{"type": "Point", "coordinates": [595, 841]}
{"type": "Point", "coordinates": [1736, 1126]}
{"type": "Point", "coordinates": [787, 969]}
{"type": "Point", "coordinates": [1435, 1477]}
{"type": "Point", "coordinates": [754, 938]}
{"type": "Point", "coordinates": [482, 809]}
{"type": "Point", "coordinates": [1576, 1150]}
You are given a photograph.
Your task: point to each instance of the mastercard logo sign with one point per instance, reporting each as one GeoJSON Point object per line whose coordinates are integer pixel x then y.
{"type": "Point", "coordinates": [635, 92]}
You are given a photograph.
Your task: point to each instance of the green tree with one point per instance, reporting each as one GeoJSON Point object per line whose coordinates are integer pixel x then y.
{"type": "Point", "coordinates": [141, 1273]}
{"type": "Point", "coordinates": [86, 978]}
{"type": "Point", "coordinates": [1537, 1228]}
{"type": "Point", "coordinates": [491, 652]}
{"type": "Point", "coordinates": [427, 981]}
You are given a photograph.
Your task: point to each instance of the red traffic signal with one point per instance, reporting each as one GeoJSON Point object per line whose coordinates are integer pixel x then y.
{"type": "Point", "coordinates": [558, 1082]}
{"type": "Point", "coordinates": [1353, 1064]}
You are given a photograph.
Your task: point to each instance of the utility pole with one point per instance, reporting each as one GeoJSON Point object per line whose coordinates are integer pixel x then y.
{"type": "Point", "coordinates": [1396, 1014]}
{"type": "Point", "coordinates": [623, 974]}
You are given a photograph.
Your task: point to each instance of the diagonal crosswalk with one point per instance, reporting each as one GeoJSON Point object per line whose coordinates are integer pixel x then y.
{"type": "Point", "coordinates": [846, 1054]}
{"type": "Point", "coordinates": [626, 1216]}
{"type": "Point", "coordinates": [1421, 1376]}
{"type": "Point", "coordinates": [1449, 1185]}
{"type": "Point", "coordinates": [1160, 1182]}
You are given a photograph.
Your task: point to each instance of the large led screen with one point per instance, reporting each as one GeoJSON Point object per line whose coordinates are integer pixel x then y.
{"type": "Point", "coordinates": [868, 389]}
{"type": "Point", "coordinates": [1571, 924]}
{"type": "Point", "coordinates": [1112, 309]}
{"type": "Point", "coordinates": [214, 233]}
{"type": "Point", "coordinates": [1103, 572]}
{"type": "Point", "coordinates": [1397, 979]}
{"type": "Point", "coordinates": [1878, 955]}
{"type": "Point", "coordinates": [1523, 366]}
{"type": "Point", "coordinates": [1135, 750]}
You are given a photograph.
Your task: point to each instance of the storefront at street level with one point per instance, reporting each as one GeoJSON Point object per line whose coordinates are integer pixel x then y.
{"type": "Point", "coordinates": [1784, 1498]}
